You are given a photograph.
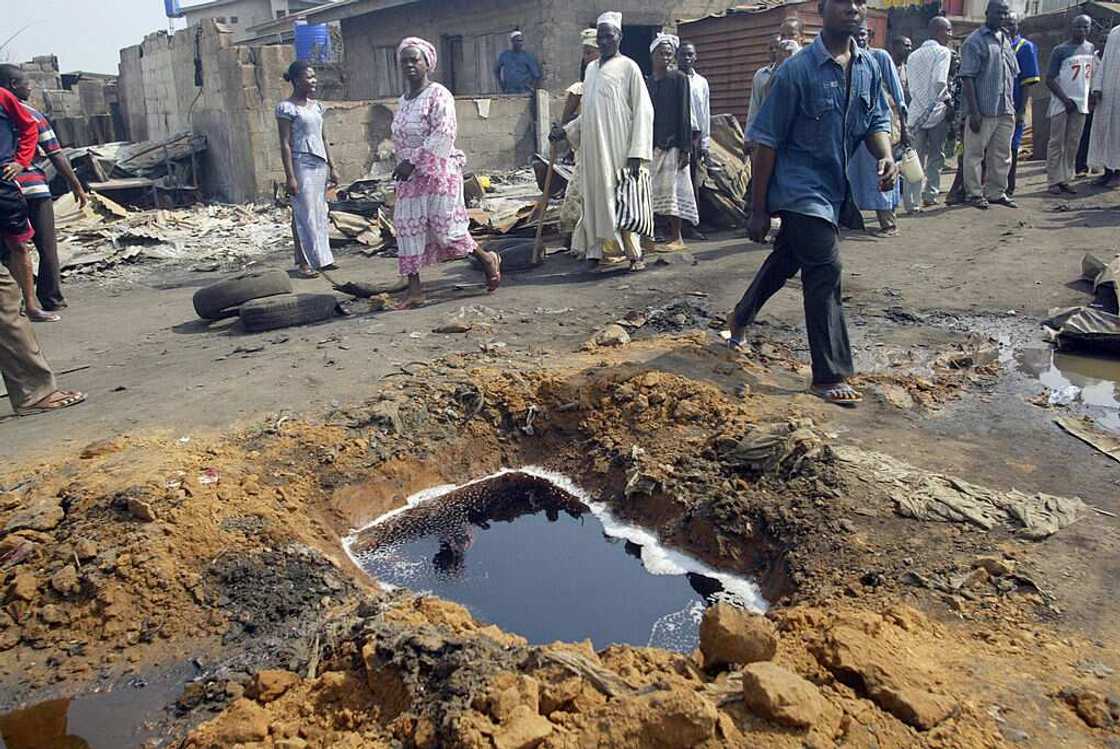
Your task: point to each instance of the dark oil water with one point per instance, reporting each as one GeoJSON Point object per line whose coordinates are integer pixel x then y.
{"type": "Point", "coordinates": [524, 553]}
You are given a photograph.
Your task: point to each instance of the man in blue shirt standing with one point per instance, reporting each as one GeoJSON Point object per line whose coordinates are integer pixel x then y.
{"type": "Point", "coordinates": [825, 102]}
{"type": "Point", "coordinates": [1026, 53]}
{"type": "Point", "coordinates": [517, 71]}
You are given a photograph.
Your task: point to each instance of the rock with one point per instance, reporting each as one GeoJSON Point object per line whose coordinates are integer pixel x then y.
{"type": "Point", "coordinates": [914, 706]}
{"type": "Point", "coordinates": [9, 632]}
{"type": "Point", "coordinates": [387, 415]}
{"type": "Point", "coordinates": [42, 514]}
{"type": "Point", "coordinates": [100, 448]}
{"type": "Point", "coordinates": [611, 336]}
{"type": "Point", "coordinates": [53, 615]}
{"type": "Point", "coordinates": [675, 718]}
{"type": "Point", "coordinates": [193, 695]}
{"type": "Point", "coordinates": [293, 743]}
{"type": "Point", "coordinates": [675, 258]}
{"type": "Point", "coordinates": [1094, 668]}
{"type": "Point", "coordinates": [272, 685]}
{"type": "Point", "coordinates": [891, 683]}
{"type": "Point", "coordinates": [506, 692]}
{"type": "Point", "coordinates": [995, 567]}
{"type": "Point", "coordinates": [85, 549]}
{"type": "Point", "coordinates": [244, 721]}
{"type": "Point", "coordinates": [1015, 735]}
{"type": "Point", "coordinates": [782, 696]}
{"type": "Point", "coordinates": [454, 326]}
{"type": "Point", "coordinates": [1090, 706]}
{"type": "Point", "coordinates": [730, 635]}
{"type": "Point", "coordinates": [234, 691]}
{"type": "Point", "coordinates": [524, 729]}
{"type": "Point", "coordinates": [897, 396]}
{"type": "Point", "coordinates": [66, 581]}
{"type": "Point", "coordinates": [140, 510]}
{"type": "Point", "coordinates": [24, 587]}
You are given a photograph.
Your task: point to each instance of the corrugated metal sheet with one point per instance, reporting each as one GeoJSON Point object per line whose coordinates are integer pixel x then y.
{"type": "Point", "coordinates": [734, 46]}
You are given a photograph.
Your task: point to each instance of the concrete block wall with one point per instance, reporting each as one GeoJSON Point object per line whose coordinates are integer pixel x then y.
{"type": "Point", "coordinates": [360, 135]}
{"type": "Point", "coordinates": [130, 91]}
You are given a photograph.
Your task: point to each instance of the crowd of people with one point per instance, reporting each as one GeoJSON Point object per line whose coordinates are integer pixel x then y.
{"type": "Point", "coordinates": [828, 121]}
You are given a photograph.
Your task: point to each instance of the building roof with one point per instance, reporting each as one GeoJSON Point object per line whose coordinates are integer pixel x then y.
{"type": "Point", "coordinates": [333, 11]}
{"type": "Point", "coordinates": [215, 4]}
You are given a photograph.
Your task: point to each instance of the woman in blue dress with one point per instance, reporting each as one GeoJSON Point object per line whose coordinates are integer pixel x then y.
{"type": "Point", "coordinates": [308, 169]}
{"type": "Point", "coordinates": [863, 169]}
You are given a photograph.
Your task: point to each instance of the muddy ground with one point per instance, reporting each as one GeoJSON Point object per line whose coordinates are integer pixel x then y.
{"type": "Point", "coordinates": [179, 534]}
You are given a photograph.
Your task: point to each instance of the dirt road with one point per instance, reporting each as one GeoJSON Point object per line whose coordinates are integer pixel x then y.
{"type": "Point", "coordinates": [205, 520]}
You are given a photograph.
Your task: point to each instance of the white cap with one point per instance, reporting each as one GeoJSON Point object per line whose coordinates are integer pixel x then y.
{"type": "Point", "coordinates": [611, 18]}
{"type": "Point", "coordinates": [516, 34]}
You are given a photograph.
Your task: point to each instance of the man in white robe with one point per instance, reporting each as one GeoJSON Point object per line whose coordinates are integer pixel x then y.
{"type": "Point", "coordinates": [1104, 140]}
{"type": "Point", "coordinates": [614, 131]}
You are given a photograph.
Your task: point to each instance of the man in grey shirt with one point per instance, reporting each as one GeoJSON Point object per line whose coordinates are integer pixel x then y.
{"type": "Point", "coordinates": [988, 73]}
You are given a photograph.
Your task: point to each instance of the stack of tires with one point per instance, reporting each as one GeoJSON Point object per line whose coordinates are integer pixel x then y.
{"type": "Point", "coordinates": [263, 300]}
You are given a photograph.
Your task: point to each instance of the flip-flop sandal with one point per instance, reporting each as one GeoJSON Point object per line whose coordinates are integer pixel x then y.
{"type": "Point", "coordinates": [494, 281]}
{"type": "Point", "coordinates": [404, 307]}
{"type": "Point", "coordinates": [306, 273]}
{"type": "Point", "coordinates": [72, 399]}
{"type": "Point", "coordinates": [840, 394]}
{"type": "Point", "coordinates": [637, 266]}
{"type": "Point", "coordinates": [43, 316]}
{"type": "Point", "coordinates": [737, 345]}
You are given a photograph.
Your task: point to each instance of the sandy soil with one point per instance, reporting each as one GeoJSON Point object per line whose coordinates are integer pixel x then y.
{"type": "Point", "coordinates": [193, 508]}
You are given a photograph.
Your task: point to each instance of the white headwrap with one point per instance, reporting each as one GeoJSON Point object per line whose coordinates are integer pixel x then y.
{"type": "Point", "coordinates": [610, 18]}
{"type": "Point", "coordinates": [426, 49]}
{"type": "Point", "coordinates": [589, 38]}
{"type": "Point", "coordinates": [672, 40]}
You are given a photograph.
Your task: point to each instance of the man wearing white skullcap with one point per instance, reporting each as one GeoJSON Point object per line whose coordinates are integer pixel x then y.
{"type": "Point", "coordinates": [517, 71]}
{"type": "Point", "coordinates": [614, 132]}
{"type": "Point", "coordinates": [670, 92]}
{"type": "Point", "coordinates": [611, 18]}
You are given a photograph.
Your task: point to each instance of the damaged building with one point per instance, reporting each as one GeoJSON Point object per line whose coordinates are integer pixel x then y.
{"type": "Point", "coordinates": [201, 80]}
{"type": "Point", "coordinates": [470, 34]}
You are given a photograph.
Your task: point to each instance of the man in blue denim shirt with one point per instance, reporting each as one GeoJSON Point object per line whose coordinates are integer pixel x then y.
{"type": "Point", "coordinates": [825, 103]}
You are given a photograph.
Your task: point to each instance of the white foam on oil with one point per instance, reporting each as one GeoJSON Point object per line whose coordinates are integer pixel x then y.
{"type": "Point", "coordinates": [656, 558]}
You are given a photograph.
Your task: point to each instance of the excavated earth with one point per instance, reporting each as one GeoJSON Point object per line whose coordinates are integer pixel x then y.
{"type": "Point", "coordinates": [147, 554]}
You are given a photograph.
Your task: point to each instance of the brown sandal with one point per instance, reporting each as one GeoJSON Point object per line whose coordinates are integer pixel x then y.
{"type": "Point", "coordinates": [49, 404]}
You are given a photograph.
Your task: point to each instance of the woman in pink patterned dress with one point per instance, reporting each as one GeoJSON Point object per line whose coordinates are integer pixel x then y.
{"type": "Point", "coordinates": [430, 217]}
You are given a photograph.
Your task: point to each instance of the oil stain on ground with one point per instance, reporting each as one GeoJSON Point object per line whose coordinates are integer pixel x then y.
{"type": "Point", "coordinates": [535, 558]}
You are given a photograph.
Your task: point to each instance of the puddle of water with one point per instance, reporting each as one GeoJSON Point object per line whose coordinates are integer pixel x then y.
{"type": "Point", "coordinates": [528, 551]}
{"type": "Point", "coordinates": [124, 717]}
{"type": "Point", "coordinates": [1090, 381]}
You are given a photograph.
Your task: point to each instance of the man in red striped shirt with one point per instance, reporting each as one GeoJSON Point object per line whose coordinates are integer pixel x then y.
{"type": "Point", "coordinates": [37, 191]}
{"type": "Point", "coordinates": [28, 377]}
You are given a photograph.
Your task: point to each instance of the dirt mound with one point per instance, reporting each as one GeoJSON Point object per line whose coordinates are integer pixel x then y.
{"type": "Point", "coordinates": [423, 673]}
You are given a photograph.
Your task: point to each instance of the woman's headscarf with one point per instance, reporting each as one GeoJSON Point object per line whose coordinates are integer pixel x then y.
{"type": "Point", "coordinates": [672, 40]}
{"type": "Point", "coordinates": [589, 38]}
{"type": "Point", "coordinates": [426, 49]}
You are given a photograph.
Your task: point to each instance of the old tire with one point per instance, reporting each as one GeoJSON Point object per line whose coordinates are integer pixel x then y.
{"type": "Point", "coordinates": [286, 310]}
{"type": "Point", "coordinates": [221, 299]}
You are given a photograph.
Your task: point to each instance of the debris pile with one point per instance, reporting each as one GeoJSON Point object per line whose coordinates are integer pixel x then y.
{"type": "Point", "coordinates": [105, 234]}
{"type": "Point", "coordinates": [145, 174]}
{"type": "Point", "coordinates": [1093, 328]}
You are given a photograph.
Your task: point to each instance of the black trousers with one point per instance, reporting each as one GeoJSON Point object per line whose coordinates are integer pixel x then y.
{"type": "Point", "coordinates": [812, 246]}
{"type": "Point", "coordinates": [48, 284]}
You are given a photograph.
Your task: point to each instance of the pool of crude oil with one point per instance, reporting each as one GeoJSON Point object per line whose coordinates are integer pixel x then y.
{"type": "Point", "coordinates": [531, 556]}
